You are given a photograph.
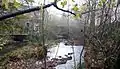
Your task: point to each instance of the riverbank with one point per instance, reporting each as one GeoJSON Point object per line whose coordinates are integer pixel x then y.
{"type": "Point", "coordinates": [21, 56]}
{"type": "Point", "coordinates": [17, 54]}
{"type": "Point", "coordinates": [31, 57]}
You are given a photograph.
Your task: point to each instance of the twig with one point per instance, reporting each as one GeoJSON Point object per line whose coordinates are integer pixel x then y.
{"type": "Point", "coordinates": [81, 57]}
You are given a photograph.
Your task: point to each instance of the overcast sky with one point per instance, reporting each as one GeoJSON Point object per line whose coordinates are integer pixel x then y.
{"type": "Point", "coordinates": [53, 10]}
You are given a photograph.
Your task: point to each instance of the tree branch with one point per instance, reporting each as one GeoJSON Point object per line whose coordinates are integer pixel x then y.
{"type": "Point", "coordinates": [31, 10]}
{"type": "Point", "coordinates": [23, 11]}
{"type": "Point", "coordinates": [81, 53]}
{"type": "Point", "coordinates": [55, 5]}
{"type": "Point", "coordinates": [9, 15]}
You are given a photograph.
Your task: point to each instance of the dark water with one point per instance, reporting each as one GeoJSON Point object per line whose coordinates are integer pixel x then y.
{"type": "Point", "coordinates": [62, 50]}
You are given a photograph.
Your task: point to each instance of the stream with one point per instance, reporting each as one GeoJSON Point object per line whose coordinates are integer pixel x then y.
{"type": "Point", "coordinates": [63, 50]}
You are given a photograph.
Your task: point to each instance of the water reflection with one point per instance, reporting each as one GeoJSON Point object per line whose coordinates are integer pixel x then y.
{"type": "Point", "coordinates": [63, 50]}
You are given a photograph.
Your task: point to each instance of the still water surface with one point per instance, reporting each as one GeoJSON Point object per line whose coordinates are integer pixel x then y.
{"type": "Point", "coordinates": [63, 50]}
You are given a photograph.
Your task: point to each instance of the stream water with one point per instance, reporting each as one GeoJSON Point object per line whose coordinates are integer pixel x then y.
{"type": "Point", "coordinates": [63, 50]}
